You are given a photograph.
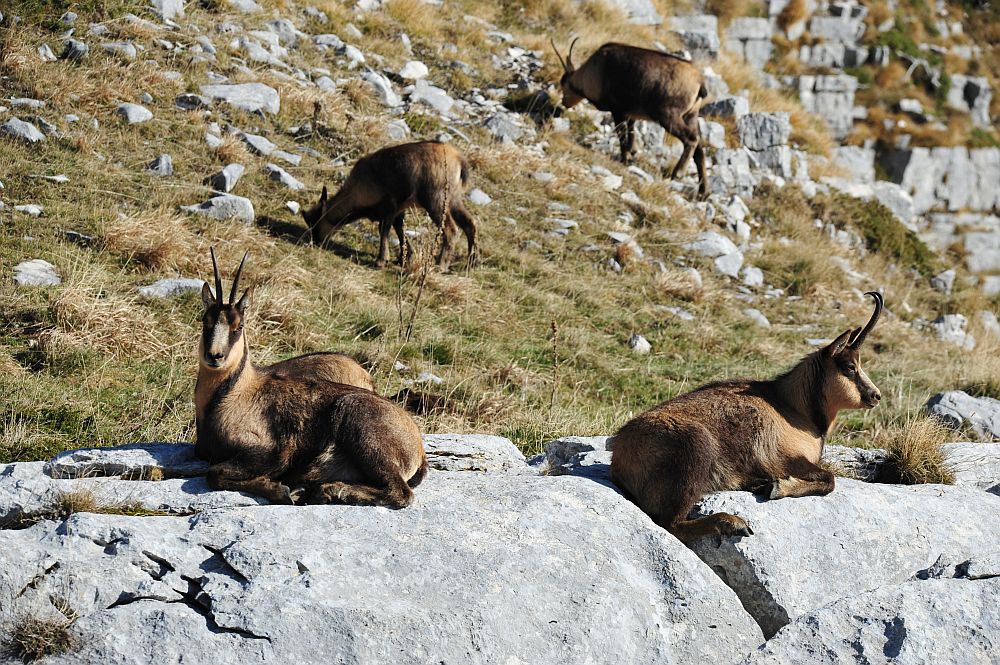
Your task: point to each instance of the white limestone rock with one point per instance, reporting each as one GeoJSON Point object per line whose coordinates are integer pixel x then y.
{"type": "Point", "coordinates": [36, 272]}
{"type": "Point", "coordinates": [171, 287]}
{"type": "Point", "coordinates": [957, 408]}
{"type": "Point", "coordinates": [134, 114]}
{"type": "Point", "coordinates": [225, 206]}
{"type": "Point", "coordinates": [20, 130]}
{"type": "Point", "coordinates": [250, 97]}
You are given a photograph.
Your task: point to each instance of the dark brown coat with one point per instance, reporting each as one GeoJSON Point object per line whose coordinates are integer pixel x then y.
{"type": "Point", "coordinates": [763, 436]}
{"type": "Point", "coordinates": [635, 83]}
{"type": "Point", "coordinates": [291, 436]}
{"type": "Point", "coordinates": [384, 184]}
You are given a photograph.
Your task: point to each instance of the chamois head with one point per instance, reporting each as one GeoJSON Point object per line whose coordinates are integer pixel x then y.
{"type": "Point", "coordinates": [845, 385]}
{"type": "Point", "coordinates": [571, 96]}
{"type": "Point", "coordinates": [222, 324]}
{"type": "Point", "coordinates": [313, 214]}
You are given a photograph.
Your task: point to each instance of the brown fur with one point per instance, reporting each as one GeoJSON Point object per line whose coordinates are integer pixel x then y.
{"type": "Point", "coordinates": [382, 186]}
{"type": "Point", "coordinates": [325, 366]}
{"type": "Point", "coordinates": [635, 83]}
{"type": "Point", "coordinates": [287, 432]}
{"type": "Point", "coordinates": [763, 436]}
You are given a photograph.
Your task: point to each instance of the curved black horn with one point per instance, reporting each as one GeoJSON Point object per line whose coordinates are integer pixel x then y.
{"type": "Point", "coordinates": [859, 340]}
{"type": "Point", "coordinates": [218, 280]}
{"type": "Point", "coordinates": [569, 56]}
{"type": "Point", "coordinates": [236, 279]}
{"type": "Point", "coordinates": [561, 61]}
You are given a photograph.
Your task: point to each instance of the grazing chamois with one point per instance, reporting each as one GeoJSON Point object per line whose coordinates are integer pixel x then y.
{"type": "Point", "coordinates": [383, 185]}
{"type": "Point", "coordinates": [291, 435]}
{"type": "Point", "coordinates": [635, 83]}
{"type": "Point", "coordinates": [762, 436]}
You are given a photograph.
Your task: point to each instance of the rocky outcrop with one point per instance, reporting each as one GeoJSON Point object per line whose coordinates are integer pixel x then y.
{"type": "Point", "coordinates": [948, 178]}
{"type": "Point", "coordinates": [486, 566]}
{"type": "Point", "coordinates": [788, 568]}
{"type": "Point", "coordinates": [958, 409]}
{"type": "Point", "coordinates": [750, 39]}
{"type": "Point", "coordinates": [949, 620]}
{"type": "Point", "coordinates": [832, 98]}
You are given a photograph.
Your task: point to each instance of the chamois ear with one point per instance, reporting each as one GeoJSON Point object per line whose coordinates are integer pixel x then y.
{"type": "Point", "coordinates": [245, 300]}
{"type": "Point", "coordinates": [206, 295]}
{"type": "Point", "coordinates": [838, 345]}
{"type": "Point", "coordinates": [322, 197]}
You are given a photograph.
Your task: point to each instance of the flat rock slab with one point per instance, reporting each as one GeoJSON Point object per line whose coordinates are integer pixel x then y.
{"type": "Point", "coordinates": [473, 452]}
{"type": "Point", "coordinates": [482, 568]}
{"type": "Point", "coordinates": [976, 464]}
{"type": "Point", "coordinates": [21, 130]}
{"type": "Point", "coordinates": [36, 272]}
{"type": "Point", "coordinates": [810, 551]}
{"type": "Point", "coordinates": [940, 621]}
{"type": "Point", "coordinates": [171, 287]}
{"type": "Point", "coordinates": [958, 408]}
{"type": "Point", "coordinates": [225, 206]}
{"type": "Point", "coordinates": [250, 97]}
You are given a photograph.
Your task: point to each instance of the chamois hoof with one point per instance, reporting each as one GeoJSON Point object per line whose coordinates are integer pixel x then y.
{"type": "Point", "coordinates": [761, 487]}
{"type": "Point", "coordinates": [295, 495]}
{"type": "Point", "coordinates": [733, 525]}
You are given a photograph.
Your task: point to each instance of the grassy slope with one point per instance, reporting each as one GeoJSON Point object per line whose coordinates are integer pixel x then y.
{"type": "Point", "coordinates": [92, 363]}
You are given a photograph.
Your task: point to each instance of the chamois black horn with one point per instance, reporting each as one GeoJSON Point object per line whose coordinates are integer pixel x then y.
{"type": "Point", "coordinates": [218, 280]}
{"type": "Point", "coordinates": [236, 280]}
{"type": "Point", "coordinates": [860, 338]}
{"type": "Point", "coordinates": [561, 61]}
{"type": "Point", "coordinates": [569, 56]}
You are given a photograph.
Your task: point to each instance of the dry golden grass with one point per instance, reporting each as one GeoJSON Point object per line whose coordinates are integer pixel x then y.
{"type": "Point", "coordinates": [914, 447]}
{"type": "Point", "coordinates": [32, 638]}
{"type": "Point", "coordinates": [727, 10]}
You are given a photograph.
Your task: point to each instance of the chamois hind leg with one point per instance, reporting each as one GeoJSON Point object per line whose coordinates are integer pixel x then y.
{"type": "Point", "coordinates": [419, 476]}
{"type": "Point", "coordinates": [623, 127]}
{"type": "Point", "coordinates": [460, 215]}
{"type": "Point", "coordinates": [397, 494]}
{"type": "Point", "coordinates": [675, 472]}
{"type": "Point", "coordinates": [803, 479]}
{"type": "Point", "coordinates": [384, 224]}
{"type": "Point", "coordinates": [237, 477]}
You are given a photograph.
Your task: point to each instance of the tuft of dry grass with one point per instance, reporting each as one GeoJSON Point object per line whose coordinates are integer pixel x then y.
{"type": "Point", "coordinates": [914, 448]}
{"type": "Point", "coordinates": [32, 638]}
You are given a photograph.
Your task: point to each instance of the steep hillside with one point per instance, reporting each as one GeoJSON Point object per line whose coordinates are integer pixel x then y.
{"type": "Point", "coordinates": [578, 252]}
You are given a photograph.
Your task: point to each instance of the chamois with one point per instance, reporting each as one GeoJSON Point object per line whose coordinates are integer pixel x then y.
{"type": "Point", "coordinates": [286, 432]}
{"type": "Point", "coordinates": [385, 183]}
{"type": "Point", "coordinates": [635, 83]}
{"type": "Point", "coordinates": [762, 436]}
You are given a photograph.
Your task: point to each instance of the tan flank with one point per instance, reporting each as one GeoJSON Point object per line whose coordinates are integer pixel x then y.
{"type": "Point", "coordinates": [384, 184]}
{"type": "Point", "coordinates": [764, 436]}
{"type": "Point", "coordinates": [286, 431]}
{"type": "Point", "coordinates": [634, 83]}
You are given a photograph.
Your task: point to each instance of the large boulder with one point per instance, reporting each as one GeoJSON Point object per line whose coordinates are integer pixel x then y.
{"type": "Point", "coordinates": [953, 620]}
{"type": "Point", "coordinates": [882, 534]}
{"type": "Point", "coordinates": [957, 408]}
{"type": "Point", "coordinates": [484, 567]}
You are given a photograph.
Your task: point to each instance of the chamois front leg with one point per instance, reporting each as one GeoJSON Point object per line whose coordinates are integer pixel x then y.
{"type": "Point", "coordinates": [804, 479]}
{"type": "Point", "coordinates": [238, 477]}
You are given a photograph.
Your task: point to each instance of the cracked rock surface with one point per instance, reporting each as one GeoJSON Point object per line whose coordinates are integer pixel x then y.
{"type": "Point", "coordinates": [492, 563]}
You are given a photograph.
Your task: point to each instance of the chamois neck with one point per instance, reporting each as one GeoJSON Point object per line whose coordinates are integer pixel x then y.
{"type": "Point", "coordinates": [215, 383]}
{"type": "Point", "coordinates": [801, 389]}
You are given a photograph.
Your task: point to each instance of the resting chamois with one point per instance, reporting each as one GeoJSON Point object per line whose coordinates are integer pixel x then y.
{"type": "Point", "coordinates": [290, 435]}
{"type": "Point", "coordinates": [384, 184]}
{"type": "Point", "coordinates": [763, 436]}
{"type": "Point", "coordinates": [635, 83]}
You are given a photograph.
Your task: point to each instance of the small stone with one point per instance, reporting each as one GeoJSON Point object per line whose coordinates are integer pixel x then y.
{"type": "Point", "coordinates": [414, 70]}
{"type": "Point", "coordinates": [752, 276]}
{"type": "Point", "coordinates": [249, 97]}
{"type": "Point", "coordinates": [30, 209]}
{"type": "Point", "coordinates": [639, 344]}
{"type": "Point", "coordinates": [258, 144]}
{"type": "Point", "coordinates": [162, 166]}
{"type": "Point", "coordinates": [279, 174]}
{"type": "Point", "coordinates": [192, 102]}
{"type": "Point", "coordinates": [757, 317]}
{"type": "Point", "coordinates": [479, 197]}
{"type": "Point", "coordinates": [74, 50]}
{"type": "Point", "coordinates": [544, 176]}
{"type": "Point", "coordinates": [134, 113]}
{"type": "Point", "coordinates": [168, 9]}
{"type": "Point", "coordinates": [125, 50]}
{"type": "Point", "coordinates": [943, 282]}
{"type": "Point", "coordinates": [225, 206]}
{"type": "Point", "coordinates": [226, 179]}
{"type": "Point", "coordinates": [326, 84]}
{"type": "Point", "coordinates": [171, 288]}
{"type": "Point", "coordinates": [504, 128]}
{"type": "Point", "coordinates": [19, 129]}
{"type": "Point", "coordinates": [435, 97]}
{"type": "Point", "coordinates": [425, 377]}
{"type": "Point", "coordinates": [146, 98]}
{"type": "Point", "coordinates": [69, 18]}
{"type": "Point", "coordinates": [46, 54]}
{"type": "Point", "coordinates": [950, 328]}
{"type": "Point", "coordinates": [36, 272]}
{"type": "Point", "coordinates": [293, 206]}
{"type": "Point", "coordinates": [397, 129]}
{"type": "Point", "coordinates": [382, 88]}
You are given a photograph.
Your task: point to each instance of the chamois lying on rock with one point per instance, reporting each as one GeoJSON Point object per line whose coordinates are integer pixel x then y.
{"type": "Point", "coordinates": [384, 184]}
{"type": "Point", "coordinates": [635, 83]}
{"type": "Point", "coordinates": [742, 435]}
{"type": "Point", "coordinates": [286, 432]}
